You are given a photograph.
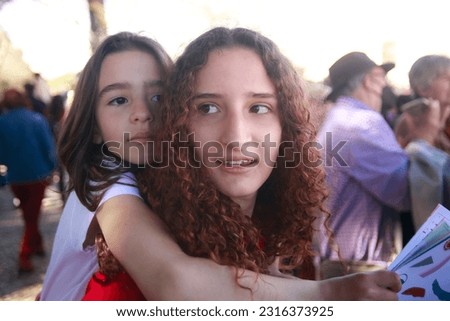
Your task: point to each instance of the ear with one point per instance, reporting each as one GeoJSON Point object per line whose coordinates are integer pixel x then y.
{"type": "Point", "coordinates": [423, 92]}
{"type": "Point", "coordinates": [368, 82]}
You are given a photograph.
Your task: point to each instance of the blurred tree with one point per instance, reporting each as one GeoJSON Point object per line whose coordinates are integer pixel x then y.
{"type": "Point", "coordinates": [14, 71]}
{"type": "Point", "coordinates": [98, 22]}
{"type": "Point", "coordinates": [2, 2]}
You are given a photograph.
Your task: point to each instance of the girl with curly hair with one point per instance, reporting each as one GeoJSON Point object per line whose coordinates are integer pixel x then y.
{"type": "Point", "coordinates": [234, 178]}
{"type": "Point", "coordinates": [240, 190]}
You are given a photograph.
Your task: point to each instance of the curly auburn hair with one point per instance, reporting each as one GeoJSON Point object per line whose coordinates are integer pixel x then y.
{"type": "Point", "coordinates": [207, 223]}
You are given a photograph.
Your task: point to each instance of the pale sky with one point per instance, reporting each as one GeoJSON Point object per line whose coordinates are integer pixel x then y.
{"type": "Point", "coordinates": [54, 34]}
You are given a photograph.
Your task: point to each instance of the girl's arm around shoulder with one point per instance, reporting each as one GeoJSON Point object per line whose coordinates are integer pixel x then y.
{"type": "Point", "coordinates": [143, 245]}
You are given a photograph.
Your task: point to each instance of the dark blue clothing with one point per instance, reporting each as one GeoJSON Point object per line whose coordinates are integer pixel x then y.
{"type": "Point", "coordinates": [446, 192]}
{"type": "Point", "coordinates": [27, 146]}
{"type": "Point", "coordinates": [38, 105]}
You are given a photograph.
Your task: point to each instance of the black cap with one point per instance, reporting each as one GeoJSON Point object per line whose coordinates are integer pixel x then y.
{"type": "Point", "coordinates": [348, 66]}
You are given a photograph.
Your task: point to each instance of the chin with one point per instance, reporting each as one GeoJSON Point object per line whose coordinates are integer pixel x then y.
{"type": "Point", "coordinates": [239, 192]}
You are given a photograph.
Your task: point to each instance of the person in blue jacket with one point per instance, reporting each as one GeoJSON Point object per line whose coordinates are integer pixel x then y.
{"type": "Point", "coordinates": [28, 150]}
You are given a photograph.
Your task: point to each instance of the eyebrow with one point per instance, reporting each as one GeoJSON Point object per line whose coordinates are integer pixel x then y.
{"type": "Point", "coordinates": [126, 85]}
{"type": "Point", "coordinates": [249, 94]}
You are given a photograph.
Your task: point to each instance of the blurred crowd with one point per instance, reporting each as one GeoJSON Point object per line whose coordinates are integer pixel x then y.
{"type": "Point", "coordinates": [393, 167]}
{"type": "Point", "coordinates": [30, 119]}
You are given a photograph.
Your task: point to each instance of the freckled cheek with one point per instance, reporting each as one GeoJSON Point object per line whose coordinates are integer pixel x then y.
{"type": "Point", "coordinates": [270, 147]}
{"type": "Point", "coordinates": [203, 138]}
{"type": "Point", "coordinates": [206, 146]}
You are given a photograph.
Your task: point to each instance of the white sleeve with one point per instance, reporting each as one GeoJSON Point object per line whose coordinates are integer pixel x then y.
{"type": "Point", "coordinates": [126, 185]}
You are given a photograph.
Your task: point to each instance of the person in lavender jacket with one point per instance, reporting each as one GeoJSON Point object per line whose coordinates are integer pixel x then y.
{"type": "Point", "coordinates": [367, 171]}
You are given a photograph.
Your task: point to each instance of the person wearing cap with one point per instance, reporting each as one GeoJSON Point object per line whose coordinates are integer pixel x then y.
{"type": "Point", "coordinates": [367, 171]}
{"type": "Point", "coordinates": [429, 77]}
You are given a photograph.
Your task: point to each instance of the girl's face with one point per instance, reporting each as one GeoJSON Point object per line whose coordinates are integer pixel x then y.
{"type": "Point", "coordinates": [236, 123]}
{"type": "Point", "coordinates": [129, 85]}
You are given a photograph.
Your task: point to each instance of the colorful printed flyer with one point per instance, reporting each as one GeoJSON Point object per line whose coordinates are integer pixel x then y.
{"type": "Point", "coordinates": [424, 263]}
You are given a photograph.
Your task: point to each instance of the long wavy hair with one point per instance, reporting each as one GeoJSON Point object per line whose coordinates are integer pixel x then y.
{"type": "Point", "coordinates": [204, 221]}
{"type": "Point", "coordinates": [78, 153]}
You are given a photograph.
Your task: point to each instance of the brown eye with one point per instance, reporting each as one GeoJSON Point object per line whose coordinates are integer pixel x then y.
{"type": "Point", "coordinates": [118, 101]}
{"type": "Point", "coordinates": [259, 109]}
{"type": "Point", "coordinates": [156, 98]}
{"type": "Point", "coordinates": [208, 109]}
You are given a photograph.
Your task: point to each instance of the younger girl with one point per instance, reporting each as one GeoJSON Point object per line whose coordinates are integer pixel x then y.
{"type": "Point", "coordinates": [102, 144]}
{"type": "Point", "coordinates": [237, 183]}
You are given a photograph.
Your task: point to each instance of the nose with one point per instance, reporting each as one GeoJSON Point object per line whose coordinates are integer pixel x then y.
{"type": "Point", "coordinates": [235, 130]}
{"type": "Point", "coordinates": [140, 112]}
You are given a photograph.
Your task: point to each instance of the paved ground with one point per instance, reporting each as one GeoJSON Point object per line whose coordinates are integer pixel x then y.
{"type": "Point", "coordinates": [24, 287]}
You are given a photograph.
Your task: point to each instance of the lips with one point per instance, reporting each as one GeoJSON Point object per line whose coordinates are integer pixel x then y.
{"type": "Point", "coordinates": [142, 137]}
{"type": "Point", "coordinates": [237, 162]}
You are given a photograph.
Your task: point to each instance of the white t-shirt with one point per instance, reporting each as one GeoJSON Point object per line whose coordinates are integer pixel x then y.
{"type": "Point", "coordinates": [71, 267]}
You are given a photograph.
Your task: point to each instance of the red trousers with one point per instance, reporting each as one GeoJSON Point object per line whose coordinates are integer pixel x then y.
{"type": "Point", "coordinates": [30, 196]}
